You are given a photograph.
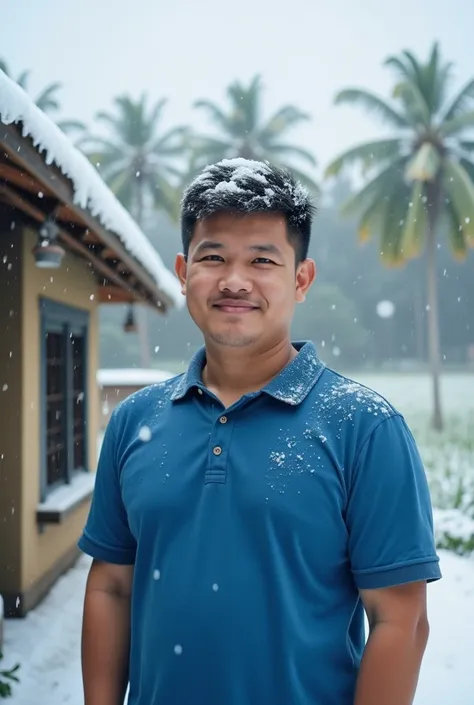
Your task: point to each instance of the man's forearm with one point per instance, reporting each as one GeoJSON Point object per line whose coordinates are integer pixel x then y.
{"type": "Point", "coordinates": [391, 664]}
{"type": "Point", "coordinates": [105, 648]}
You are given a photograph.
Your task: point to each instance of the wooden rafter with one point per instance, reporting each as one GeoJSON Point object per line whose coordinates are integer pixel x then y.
{"type": "Point", "coordinates": [73, 244]}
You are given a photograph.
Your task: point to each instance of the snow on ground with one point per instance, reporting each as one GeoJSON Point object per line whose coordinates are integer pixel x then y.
{"type": "Point", "coordinates": [47, 641]}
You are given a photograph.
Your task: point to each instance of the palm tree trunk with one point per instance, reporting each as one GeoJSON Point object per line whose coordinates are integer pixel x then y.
{"type": "Point", "coordinates": [419, 318]}
{"type": "Point", "coordinates": [142, 321]}
{"type": "Point", "coordinates": [433, 313]}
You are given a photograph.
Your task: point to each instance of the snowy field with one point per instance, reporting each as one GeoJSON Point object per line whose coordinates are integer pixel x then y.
{"type": "Point", "coordinates": [47, 642]}
{"type": "Point", "coordinates": [411, 393]}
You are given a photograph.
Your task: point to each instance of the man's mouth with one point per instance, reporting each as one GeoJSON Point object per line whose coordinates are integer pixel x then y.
{"type": "Point", "coordinates": [235, 306]}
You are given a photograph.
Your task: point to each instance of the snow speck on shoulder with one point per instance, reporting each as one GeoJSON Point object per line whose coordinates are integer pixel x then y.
{"type": "Point", "coordinates": [89, 190]}
{"type": "Point", "coordinates": [344, 393]}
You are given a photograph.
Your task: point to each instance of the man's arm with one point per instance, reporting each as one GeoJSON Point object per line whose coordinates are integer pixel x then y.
{"type": "Point", "coordinates": [397, 640]}
{"type": "Point", "coordinates": [106, 633]}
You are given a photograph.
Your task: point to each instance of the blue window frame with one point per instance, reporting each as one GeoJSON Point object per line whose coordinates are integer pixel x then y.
{"type": "Point", "coordinates": [64, 338]}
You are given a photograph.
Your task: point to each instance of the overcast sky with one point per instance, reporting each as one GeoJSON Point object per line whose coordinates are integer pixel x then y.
{"type": "Point", "coordinates": [305, 50]}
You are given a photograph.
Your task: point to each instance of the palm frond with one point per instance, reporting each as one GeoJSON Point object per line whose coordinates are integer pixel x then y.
{"type": "Point", "coordinates": [468, 166]}
{"type": "Point", "coordinates": [404, 71]}
{"type": "Point", "coordinates": [68, 126]}
{"type": "Point", "coordinates": [369, 154]}
{"type": "Point", "coordinates": [286, 117]}
{"type": "Point", "coordinates": [460, 189]}
{"type": "Point", "coordinates": [414, 101]}
{"type": "Point", "coordinates": [372, 219]}
{"type": "Point", "coordinates": [466, 145]}
{"type": "Point", "coordinates": [281, 150]}
{"type": "Point", "coordinates": [416, 223]}
{"type": "Point", "coordinates": [436, 80]}
{"type": "Point", "coordinates": [372, 103]}
{"type": "Point", "coordinates": [215, 114]}
{"type": "Point", "coordinates": [376, 189]}
{"type": "Point", "coordinates": [22, 79]}
{"type": "Point", "coordinates": [47, 100]}
{"type": "Point", "coordinates": [175, 142]}
{"type": "Point", "coordinates": [391, 240]}
{"type": "Point", "coordinates": [156, 111]}
{"type": "Point", "coordinates": [461, 122]}
{"type": "Point", "coordinates": [461, 103]}
{"type": "Point", "coordinates": [456, 237]}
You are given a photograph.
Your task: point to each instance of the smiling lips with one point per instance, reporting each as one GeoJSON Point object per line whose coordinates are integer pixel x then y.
{"type": "Point", "coordinates": [236, 306]}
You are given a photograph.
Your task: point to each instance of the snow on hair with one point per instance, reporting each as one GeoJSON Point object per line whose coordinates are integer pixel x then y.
{"type": "Point", "coordinates": [246, 186]}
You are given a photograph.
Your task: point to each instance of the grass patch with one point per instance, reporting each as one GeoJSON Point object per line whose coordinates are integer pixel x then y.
{"type": "Point", "coordinates": [449, 461]}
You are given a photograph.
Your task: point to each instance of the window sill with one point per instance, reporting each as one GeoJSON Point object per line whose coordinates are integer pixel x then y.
{"type": "Point", "coordinates": [64, 500]}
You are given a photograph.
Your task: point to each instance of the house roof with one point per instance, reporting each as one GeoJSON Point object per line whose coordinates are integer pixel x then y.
{"type": "Point", "coordinates": [84, 206]}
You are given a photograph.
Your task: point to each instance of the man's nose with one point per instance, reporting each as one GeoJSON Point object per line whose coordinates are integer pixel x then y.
{"type": "Point", "coordinates": [235, 279]}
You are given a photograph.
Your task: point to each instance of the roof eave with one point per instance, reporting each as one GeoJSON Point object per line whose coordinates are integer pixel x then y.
{"type": "Point", "coordinates": [22, 152]}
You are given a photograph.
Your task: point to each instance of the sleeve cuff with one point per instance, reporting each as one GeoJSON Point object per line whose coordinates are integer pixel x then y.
{"type": "Point", "coordinates": [427, 570]}
{"type": "Point", "coordinates": [107, 554]}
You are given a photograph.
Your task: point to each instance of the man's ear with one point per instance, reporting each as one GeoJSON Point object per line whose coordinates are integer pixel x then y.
{"type": "Point", "coordinates": [305, 276]}
{"type": "Point", "coordinates": [181, 269]}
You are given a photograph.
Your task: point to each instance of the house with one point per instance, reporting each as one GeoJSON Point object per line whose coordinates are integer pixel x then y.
{"type": "Point", "coordinates": [66, 246]}
{"type": "Point", "coordinates": [115, 385]}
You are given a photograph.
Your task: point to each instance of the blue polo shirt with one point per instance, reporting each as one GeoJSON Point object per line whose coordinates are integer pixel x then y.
{"type": "Point", "coordinates": [252, 530]}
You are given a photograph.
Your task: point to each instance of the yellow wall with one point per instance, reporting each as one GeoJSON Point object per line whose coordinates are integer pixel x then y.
{"type": "Point", "coordinates": [72, 284]}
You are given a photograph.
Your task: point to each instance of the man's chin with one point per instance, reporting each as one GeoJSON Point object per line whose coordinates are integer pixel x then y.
{"type": "Point", "coordinates": [232, 340]}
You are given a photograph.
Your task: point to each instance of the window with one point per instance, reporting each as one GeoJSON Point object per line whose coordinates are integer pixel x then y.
{"type": "Point", "coordinates": [64, 418]}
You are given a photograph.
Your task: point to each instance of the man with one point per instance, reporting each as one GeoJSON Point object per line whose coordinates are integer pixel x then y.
{"type": "Point", "coordinates": [245, 513]}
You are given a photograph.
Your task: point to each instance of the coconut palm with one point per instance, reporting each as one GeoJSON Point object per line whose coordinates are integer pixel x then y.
{"type": "Point", "coordinates": [419, 178]}
{"type": "Point", "coordinates": [141, 166]}
{"type": "Point", "coordinates": [242, 132]}
{"type": "Point", "coordinates": [47, 100]}
{"type": "Point", "coordinates": [138, 162]}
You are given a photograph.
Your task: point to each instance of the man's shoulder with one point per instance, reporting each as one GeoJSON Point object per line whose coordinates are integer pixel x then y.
{"type": "Point", "coordinates": [345, 398]}
{"type": "Point", "coordinates": [153, 396]}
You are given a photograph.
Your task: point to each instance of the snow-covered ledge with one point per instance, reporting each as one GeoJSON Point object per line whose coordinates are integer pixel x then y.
{"type": "Point", "coordinates": [65, 499]}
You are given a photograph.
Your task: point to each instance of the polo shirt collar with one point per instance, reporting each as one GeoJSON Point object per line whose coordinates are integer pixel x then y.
{"type": "Point", "coordinates": [291, 385]}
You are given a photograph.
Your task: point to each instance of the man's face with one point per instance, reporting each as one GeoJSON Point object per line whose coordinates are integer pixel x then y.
{"type": "Point", "coordinates": [240, 279]}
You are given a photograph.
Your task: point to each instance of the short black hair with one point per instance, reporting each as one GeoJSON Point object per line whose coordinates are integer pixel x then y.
{"type": "Point", "coordinates": [244, 186]}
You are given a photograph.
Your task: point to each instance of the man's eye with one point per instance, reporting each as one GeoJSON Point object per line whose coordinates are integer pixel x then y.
{"type": "Point", "coordinates": [263, 260]}
{"type": "Point", "coordinates": [211, 258]}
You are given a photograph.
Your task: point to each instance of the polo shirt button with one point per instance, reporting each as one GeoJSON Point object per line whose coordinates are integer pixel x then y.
{"type": "Point", "coordinates": [199, 391]}
{"type": "Point", "coordinates": [223, 419]}
{"type": "Point", "coordinates": [217, 450]}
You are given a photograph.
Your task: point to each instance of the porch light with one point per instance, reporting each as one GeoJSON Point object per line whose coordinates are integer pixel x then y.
{"type": "Point", "coordinates": [129, 325]}
{"type": "Point", "coordinates": [48, 254]}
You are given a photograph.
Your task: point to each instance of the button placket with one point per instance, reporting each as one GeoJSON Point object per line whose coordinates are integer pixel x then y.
{"type": "Point", "coordinates": [218, 449]}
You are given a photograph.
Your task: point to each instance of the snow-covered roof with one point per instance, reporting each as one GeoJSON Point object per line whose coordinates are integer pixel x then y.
{"type": "Point", "coordinates": [131, 377]}
{"type": "Point", "coordinates": [90, 191]}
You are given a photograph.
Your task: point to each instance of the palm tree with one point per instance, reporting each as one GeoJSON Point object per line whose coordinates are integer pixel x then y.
{"type": "Point", "coordinates": [141, 166]}
{"type": "Point", "coordinates": [47, 100]}
{"type": "Point", "coordinates": [242, 133]}
{"type": "Point", "coordinates": [419, 178]}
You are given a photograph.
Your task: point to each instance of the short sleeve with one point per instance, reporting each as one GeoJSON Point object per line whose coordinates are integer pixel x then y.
{"type": "Point", "coordinates": [389, 515]}
{"type": "Point", "coordinates": [107, 534]}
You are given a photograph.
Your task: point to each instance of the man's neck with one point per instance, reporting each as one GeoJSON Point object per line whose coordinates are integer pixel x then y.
{"type": "Point", "coordinates": [231, 373]}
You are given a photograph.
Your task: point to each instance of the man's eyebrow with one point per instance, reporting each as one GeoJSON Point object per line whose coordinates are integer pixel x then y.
{"type": "Point", "coordinates": [268, 248]}
{"type": "Point", "coordinates": [208, 245]}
